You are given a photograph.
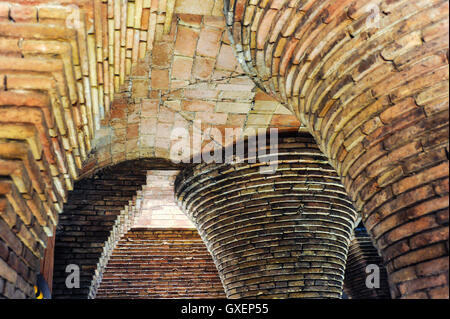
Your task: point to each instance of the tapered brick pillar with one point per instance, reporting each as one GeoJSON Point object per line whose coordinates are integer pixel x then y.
{"type": "Point", "coordinates": [278, 235]}
{"type": "Point", "coordinates": [369, 79]}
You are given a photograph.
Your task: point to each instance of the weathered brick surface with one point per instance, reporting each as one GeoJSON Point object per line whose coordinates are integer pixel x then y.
{"type": "Point", "coordinates": [153, 207]}
{"type": "Point", "coordinates": [158, 208]}
{"type": "Point", "coordinates": [17, 266]}
{"type": "Point", "coordinates": [276, 235]}
{"type": "Point", "coordinates": [162, 263]}
{"type": "Point", "coordinates": [62, 65]}
{"type": "Point", "coordinates": [369, 79]}
{"type": "Point", "coordinates": [93, 209]}
{"type": "Point", "coordinates": [191, 75]}
{"type": "Point", "coordinates": [361, 254]}
{"type": "Point", "coordinates": [47, 263]}
{"type": "Point", "coordinates": [49, 107]}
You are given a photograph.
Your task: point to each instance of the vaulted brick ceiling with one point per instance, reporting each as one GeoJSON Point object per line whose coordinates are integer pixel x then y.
{"type": "Point", "coordinates": [78, 93]}
{"type": "Point", "coordinates": [87, 84]}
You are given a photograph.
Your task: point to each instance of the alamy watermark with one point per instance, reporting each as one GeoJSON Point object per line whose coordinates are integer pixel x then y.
{"type": "Point", "coordinates": [373, 276]}
{"type": "Point", "coordinates": [73, 277]}
{"type": "Point", "coordinates": [73, 19]}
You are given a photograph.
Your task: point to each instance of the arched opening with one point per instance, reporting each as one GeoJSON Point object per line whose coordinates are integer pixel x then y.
{"type": "Point", "coordinates": [100, 205]}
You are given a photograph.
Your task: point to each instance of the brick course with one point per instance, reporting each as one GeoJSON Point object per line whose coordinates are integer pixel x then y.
{"type": "Point", "coordinates": [160, 263]}
{"type": "Point", "coordinates": [367, 78]}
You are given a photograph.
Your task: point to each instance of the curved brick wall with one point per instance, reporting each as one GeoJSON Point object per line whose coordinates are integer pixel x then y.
{"type": "Point", "coordinates": [361, 254]}
{"type": "Point", "coordinates": [370, 81]}
{"type": "Point", "coordinates": [273, 235]}
{"type": "Point", "coordinates": [160, 263]}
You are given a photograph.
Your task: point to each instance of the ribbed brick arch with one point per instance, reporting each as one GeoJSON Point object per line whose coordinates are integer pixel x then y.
{"type": "Point", "coordinates": [315, 191]}
{"type": "Point", "coordinates": [369, 79]}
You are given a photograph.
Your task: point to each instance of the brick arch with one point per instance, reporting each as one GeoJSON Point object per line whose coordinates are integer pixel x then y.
{"type": "Point", "coordinates": [64, 67]}
{"type": "Point", "coordinates": [148, 129]}
{"type": "Point", "coordinates": [98, 204]}
{"type": "Point", "coordinates": [190, 79]}
{"type": "Point", "coordinates": [369, 79]}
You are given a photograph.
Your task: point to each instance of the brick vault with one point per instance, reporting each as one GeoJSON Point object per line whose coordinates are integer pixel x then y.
{"type": "Point", "coordinates": [106, 105]}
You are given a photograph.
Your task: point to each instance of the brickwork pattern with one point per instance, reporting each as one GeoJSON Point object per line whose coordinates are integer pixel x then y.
{"type": "Point", "coordinates": [53, 94]}
{"type": "Point", "coordinates": [273, 235]}
{"type": "Point", "coordinates": [163, 263]}
{"type": "Point", "coordinates": [124, 222]}
{"type": "Point", "coordinates": [361, 254]}
{"type": "Point", "coordinates": [47, 263]}
{"type": "Point", "coordinates": [159, 209]}
{"type": "Point", "coordinates": [369, 79]}
{"type": "Point", "coordinates": [96, 212]}
{"type": "Point", "coordinates": [153, 207]}
{"type": "Point", "coordinates": [18, 263]}
{"type": "Point", "coordinates": [64, 63]}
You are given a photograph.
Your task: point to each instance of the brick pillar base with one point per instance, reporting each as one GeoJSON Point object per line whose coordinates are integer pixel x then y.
{"type": "Point", "coordinates": [369, 79]}
{"type": "Point", "coordinates": [280, 235]}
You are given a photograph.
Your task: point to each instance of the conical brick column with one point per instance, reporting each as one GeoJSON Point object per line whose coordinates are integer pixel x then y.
{"type": "Point", "coordinates": [369, 79]}
{"type": "Point", "coordinates": [280, 235]}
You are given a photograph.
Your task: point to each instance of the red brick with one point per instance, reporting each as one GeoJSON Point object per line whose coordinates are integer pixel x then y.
{"type": "Point", "coordinates": [203, 68]}
{"type": "Point", "coordinates": [209, 42]}
{"type": "Point", "coordinates": [226, 59]}
{"type": "Point", "coordinates": [23, 13]}
{"type": "Point", "coordinates": [162, 55]}
{"type": "Point", "coordinates": [421, 178]}
{"type": "Point", "coordinates": [422, 283]}
{"type": "Point", "coordinates": [212, 118]}
{"type": "Point", "coordinates": [186, 41]}
{"type": "Point", "coordinates": [160, 79]}
{"type": "Point", "coordinates": [182, 68]}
